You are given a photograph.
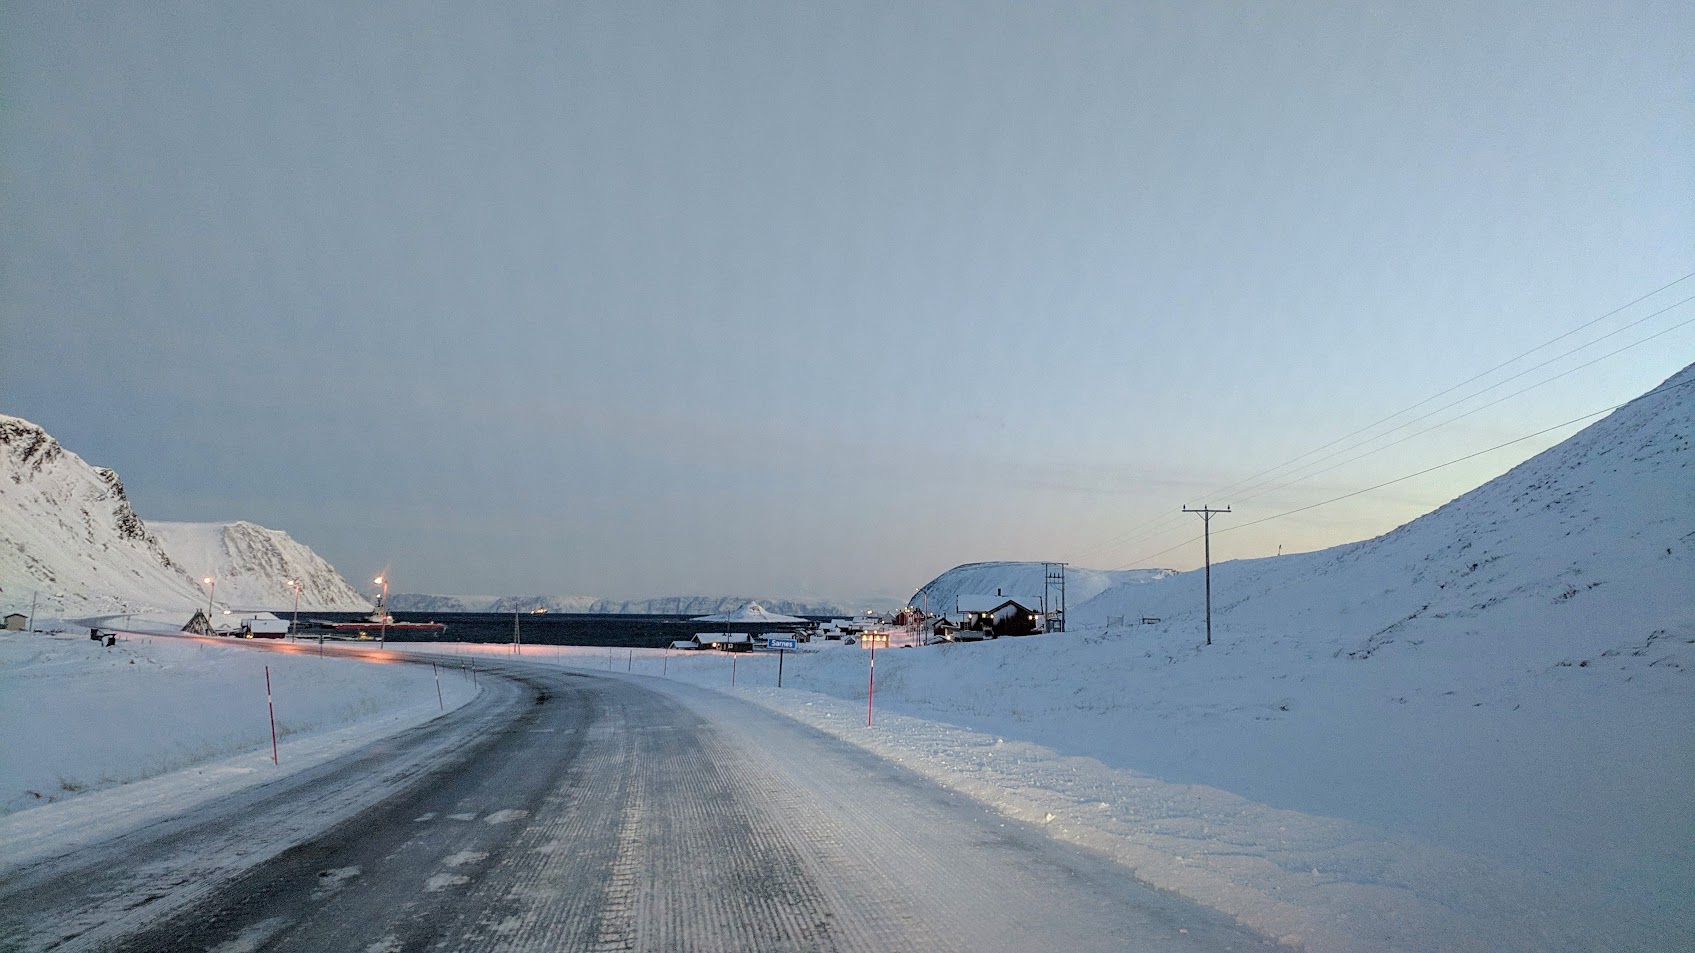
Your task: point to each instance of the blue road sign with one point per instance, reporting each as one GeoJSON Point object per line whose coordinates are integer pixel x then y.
{"type": "Point", "coordinates": [780, 643]}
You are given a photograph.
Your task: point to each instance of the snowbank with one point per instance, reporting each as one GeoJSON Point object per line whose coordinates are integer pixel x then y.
{"type": "Point", "coordinates": [77, 717]}
{"type": "Point", "coordinates": [1309, 880]}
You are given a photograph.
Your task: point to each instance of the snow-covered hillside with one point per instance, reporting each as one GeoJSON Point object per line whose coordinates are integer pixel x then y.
{"type": "Point", "coordinates": [253, 565]}
{"type": "Point", "coordinates": [1511, 676]}
{"type": "Point", "coordinates": [67, 531]}
{"type": "Point", "coordinates": [1026, 579]}
{"type": "Point", "coordinates": [661, 605]}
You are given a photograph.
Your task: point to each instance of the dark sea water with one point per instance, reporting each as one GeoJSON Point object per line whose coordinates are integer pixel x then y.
{"type": "Point", "coordinates": [549, 628]}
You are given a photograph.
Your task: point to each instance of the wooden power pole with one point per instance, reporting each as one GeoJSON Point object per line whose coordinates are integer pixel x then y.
{"type": "Point", "coordinates": [1206, 514]}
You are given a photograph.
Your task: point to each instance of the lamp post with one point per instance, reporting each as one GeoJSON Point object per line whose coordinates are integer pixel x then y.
{"type": "Point", "coordinates": [211, 587]}
{"type": "Point", "coordinates": [382, 610]}
{"type": "Point", "coordinates": [292, 629]}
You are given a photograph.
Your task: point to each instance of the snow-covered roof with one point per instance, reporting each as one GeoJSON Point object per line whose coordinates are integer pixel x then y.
{"type": "Point", "coordinates": [991, 603]}
{"type": "Point", "coordinates": [685, 644]}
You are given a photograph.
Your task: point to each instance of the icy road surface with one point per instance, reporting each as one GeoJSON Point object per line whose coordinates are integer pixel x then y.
{"type": "Point", "coordinates": [579, 812]}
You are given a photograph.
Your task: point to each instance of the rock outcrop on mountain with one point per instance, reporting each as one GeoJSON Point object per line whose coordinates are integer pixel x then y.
{"type": "Point", "coordinates": [70, 540]}
{"type": "Point", "coordinates": [68, 533]}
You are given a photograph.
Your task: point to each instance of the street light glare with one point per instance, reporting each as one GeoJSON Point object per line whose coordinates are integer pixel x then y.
{"type": "Point", "coordinates": [207, 581]}
{"type": "Point", "coordinates": [378, 580]}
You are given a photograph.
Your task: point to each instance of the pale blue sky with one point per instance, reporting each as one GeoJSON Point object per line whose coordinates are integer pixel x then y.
{"type": "Point", "coordinates": [818, 299]}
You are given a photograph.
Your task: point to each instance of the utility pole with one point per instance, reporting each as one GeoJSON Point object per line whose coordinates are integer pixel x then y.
{"type": "Point", "coordinates": [1206, 514]}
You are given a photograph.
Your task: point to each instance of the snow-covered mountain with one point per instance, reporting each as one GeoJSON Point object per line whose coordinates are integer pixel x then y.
{"type": "Point", "coordinates": [1027, 579]}
{"type": "Point", "coordinates": [661, 605]}
{"type": "Point", "coordinates": [67, 531]}
{"type": "Point", "coordinates": [1588, 547]}
{"type": "Point", "coordinates": [253, 565]}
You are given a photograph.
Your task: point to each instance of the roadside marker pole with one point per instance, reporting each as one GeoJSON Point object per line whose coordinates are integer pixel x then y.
{"type": "Point", "coordinates": [779, 668]}
{"type": "Point", "coordinates": [665, 667]}
{"type": "Point", "coordinates": [272, 706]}
{"type": "Point", "coordinates": [871, 687]}
{"type": "Point", "coordinates": [473, 671]}
{"type": "Point", "coordinates": [439, 703]}
{"type": "Point", "coordinates": [732, 671]}
{"type": "Point", "coordinates": [629, 663]}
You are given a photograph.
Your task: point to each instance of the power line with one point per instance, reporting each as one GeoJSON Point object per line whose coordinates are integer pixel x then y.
{"type": "Point", "coordinates": [1312, 506]}
{"type": "Point", "coordinates": [1462, 416]}
{"type": "Point", "coordinates": [1468, 456]}
{"type": "Point", "coordinates": [1492, 370]}
{"type": "Point", "coordinates": [1148, 528]}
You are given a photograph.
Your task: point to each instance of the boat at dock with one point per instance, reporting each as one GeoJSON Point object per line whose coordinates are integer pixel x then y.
{"type": "Point", "coordinates": [379, 620]}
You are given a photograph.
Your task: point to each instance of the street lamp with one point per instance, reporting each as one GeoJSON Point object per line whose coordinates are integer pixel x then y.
{"type": "Point", "coordinates": [295, 585]}
{"type": "Point", "coordinates": [211, 587]}
{"type": "Point", "coordinates": [382, 610]}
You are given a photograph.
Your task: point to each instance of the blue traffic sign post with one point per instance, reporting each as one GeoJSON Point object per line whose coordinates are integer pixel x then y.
{"type": "Point", "coordinates": [780, 645]}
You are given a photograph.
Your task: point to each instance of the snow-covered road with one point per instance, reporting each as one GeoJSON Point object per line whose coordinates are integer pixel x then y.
{"type": "Point", "coordinates": [592, 812]}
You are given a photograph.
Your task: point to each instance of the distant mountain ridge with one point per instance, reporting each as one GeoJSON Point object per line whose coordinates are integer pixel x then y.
{"type": "Point", "coordinates": [661, 605]}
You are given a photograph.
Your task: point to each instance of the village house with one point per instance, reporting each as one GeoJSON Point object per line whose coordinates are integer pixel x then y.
{"type": "Point", "coordinates": [1000, 614]}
